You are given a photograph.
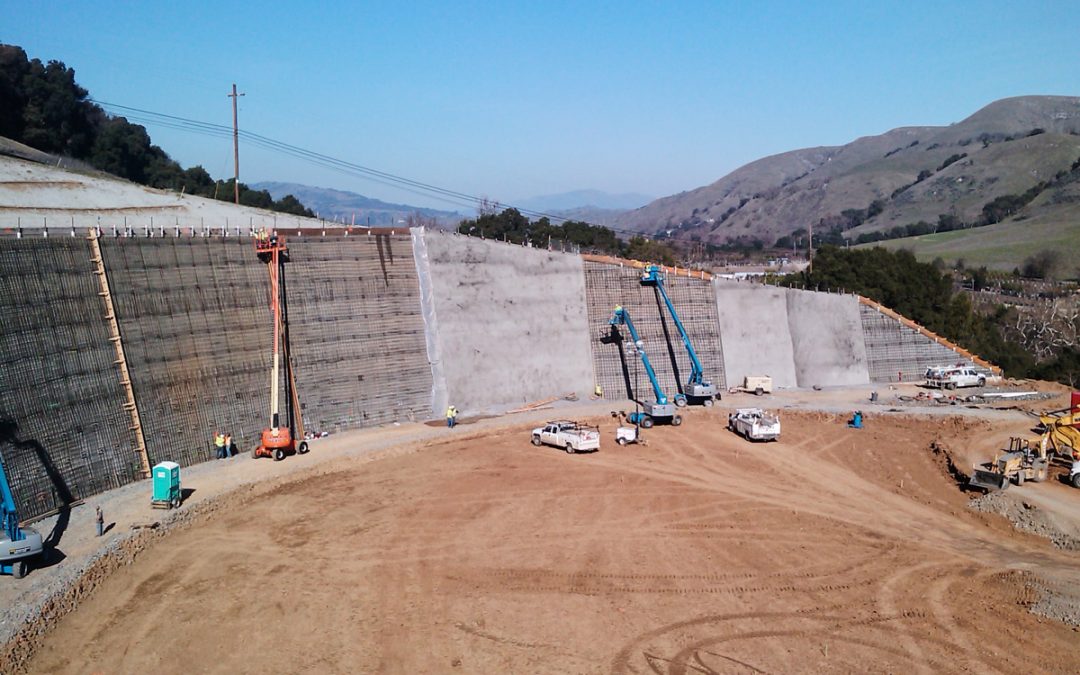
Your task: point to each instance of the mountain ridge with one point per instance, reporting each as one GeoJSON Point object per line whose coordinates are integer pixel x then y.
{"type": "Point", "coordinates": [902, 176]}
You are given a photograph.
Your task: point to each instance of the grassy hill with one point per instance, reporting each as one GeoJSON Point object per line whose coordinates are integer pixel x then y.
{"type": "Point", "coordinates": [877, 183]}
{"type": "Point", "coordinates": [1003, 246]}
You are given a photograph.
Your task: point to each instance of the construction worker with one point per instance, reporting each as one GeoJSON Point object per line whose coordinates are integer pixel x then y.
{"type": "Point", "coordinates": [228, 446]}
{"type": "Point", "coordinates": [598, 391]}
{"type": "Point", "coordinates": [219, 443]}
{"type": "Point", "coordinates": [451, 417]}
{"type": "Point", "coordinates": [99, 520]}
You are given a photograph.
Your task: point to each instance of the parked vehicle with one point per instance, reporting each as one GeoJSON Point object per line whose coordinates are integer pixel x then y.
{"type": "Point", "coordinates": [755, 384]}
{"type": "Point", "coordinates": [952, 377]}
{"type": "Point", "coordinates": [755, 424]}
{"type": "Point", "coordinates": [570, 436]}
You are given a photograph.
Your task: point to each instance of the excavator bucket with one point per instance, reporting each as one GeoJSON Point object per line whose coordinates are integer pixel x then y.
{"type": "Point", "coordinates": [988, 480]}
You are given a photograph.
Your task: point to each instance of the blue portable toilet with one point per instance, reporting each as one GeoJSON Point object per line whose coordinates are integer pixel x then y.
{"type": "Point", "coordinates": [166, 480]}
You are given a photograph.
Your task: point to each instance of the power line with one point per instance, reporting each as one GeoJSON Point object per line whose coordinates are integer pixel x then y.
{"type": "Point", "coordinates": [326, 161]}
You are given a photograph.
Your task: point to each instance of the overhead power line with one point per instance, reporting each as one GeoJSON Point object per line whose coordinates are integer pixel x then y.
{"type": "Point", "coordinates": [319, 159]}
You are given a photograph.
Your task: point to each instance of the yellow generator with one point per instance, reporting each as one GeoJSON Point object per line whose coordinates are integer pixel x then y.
{"type": "Point", "coordinates": [1023, 461]}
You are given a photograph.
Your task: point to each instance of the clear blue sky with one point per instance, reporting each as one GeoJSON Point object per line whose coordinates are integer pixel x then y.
{"type": "Point", "coordinates": [515, 99]}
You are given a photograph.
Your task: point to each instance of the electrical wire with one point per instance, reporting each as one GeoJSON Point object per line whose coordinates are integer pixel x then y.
{"type": "Point", "coordinates": [326, 161]}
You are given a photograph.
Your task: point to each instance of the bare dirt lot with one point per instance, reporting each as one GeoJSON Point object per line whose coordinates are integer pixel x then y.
{"type": "Point", "coordinates": [834, 550]}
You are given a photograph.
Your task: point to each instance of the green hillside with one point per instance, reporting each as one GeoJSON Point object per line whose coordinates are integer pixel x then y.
{"type": "Point", "coordinates": [1003, 246]}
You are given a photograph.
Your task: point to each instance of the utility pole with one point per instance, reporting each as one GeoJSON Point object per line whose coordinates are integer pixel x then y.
{"type": "Point", "coordinates": [236, 146]}
{"type": "Point", "coordinates": [810, 249]}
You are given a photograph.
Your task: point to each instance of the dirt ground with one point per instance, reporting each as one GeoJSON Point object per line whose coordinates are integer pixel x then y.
{"type": "Point", "coordinates": [833, 550]}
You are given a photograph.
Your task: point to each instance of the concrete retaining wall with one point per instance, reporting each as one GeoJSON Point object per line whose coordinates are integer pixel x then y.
{"type": "Point", "coordinates": [754, 329]}
{"type": "Point", "coordinates": [826, 339]}
{"type": "Point", "coordinates": [512, 324]}
{"type": "Point", "coordinates": [385, 327]}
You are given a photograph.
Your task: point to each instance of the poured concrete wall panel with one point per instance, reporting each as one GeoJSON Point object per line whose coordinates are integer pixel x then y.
{"type": "Point", "coordinates": [512, 321]}
{"type": "Point", "coordinates": [609, 285]}
{"type": "Point", "coordinates": [826, 339]}
{"type": "Point", "coordinates": [755, 331]}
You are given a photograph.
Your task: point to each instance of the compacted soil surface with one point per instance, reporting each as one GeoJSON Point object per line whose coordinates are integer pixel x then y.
{"type": "Point", "coordinates": [832, 550]}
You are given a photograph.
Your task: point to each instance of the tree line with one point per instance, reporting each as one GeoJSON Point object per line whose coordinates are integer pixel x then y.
{"type": "Point", "coordinates": [42, 106]}
{"type": "Point", "coordinates": [922, 293]}
{"type": "Point", "coordinates": [510, 225]}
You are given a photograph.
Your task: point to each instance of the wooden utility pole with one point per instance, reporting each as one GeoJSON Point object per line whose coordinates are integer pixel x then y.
{"type": "Point", "coordinates": [236, 145]}
{"type": "Point", "coordinates": [809, 249]}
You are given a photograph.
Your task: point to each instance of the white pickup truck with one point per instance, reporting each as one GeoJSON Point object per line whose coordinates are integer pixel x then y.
{"type": "Point", "coordinates": [570, 436]}
{"type": "Point", "coordinates": [754, 424]}
{"type": "Point", "coordinates": [951, 377]}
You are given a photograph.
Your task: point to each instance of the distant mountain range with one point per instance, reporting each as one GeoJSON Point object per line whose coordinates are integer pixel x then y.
{"type": "Point", "coordinates": [350, 207]}
{"type": "Point", "coordinates": [584, 200]}
{"type": "Point", "coordinates": [1028, 144]}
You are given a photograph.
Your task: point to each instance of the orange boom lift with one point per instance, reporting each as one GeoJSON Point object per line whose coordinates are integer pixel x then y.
{"type": "Point", "coordinates": [278, 441]}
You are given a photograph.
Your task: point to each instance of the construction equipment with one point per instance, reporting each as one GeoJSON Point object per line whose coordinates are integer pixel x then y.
{"type": "Point", "coordinates": [754, 424]}
{"type": "Point", "coordinates": [278, 441]}
{"type": "Point", "coordinates": [755, 384]}
{"type": "Point", "coordinates": [625, 434]}
{"type": "Point", "coordinates": [1023, 461]}
{"type": "Point", "coordinates": [661, 409]}
{"type": "Point", "coordinates": [697, 390]}
{"type": "Point", "coordinates": [18, 545]}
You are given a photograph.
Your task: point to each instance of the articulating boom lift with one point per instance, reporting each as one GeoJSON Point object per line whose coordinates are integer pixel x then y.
{"type": "Point", "coordinates": [660, 410]}
{"type": "Point", "coordinates": [697, 389]}
{"type": "Point", "coordinates": [276, 441]}
{"type": "Point", "coordinates": [17, 544]}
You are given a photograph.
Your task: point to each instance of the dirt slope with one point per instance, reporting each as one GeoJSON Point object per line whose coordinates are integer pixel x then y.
{"type": "Point", "coordinates": [832, 551]}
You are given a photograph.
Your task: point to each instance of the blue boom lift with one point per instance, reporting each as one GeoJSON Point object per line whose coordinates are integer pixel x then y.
{"type": "Point", "coordinates": [17, 544]}
{"type": "Point", "coordinates": [660, 410]}
{"type": "Point", "coordinates": [698, 390]}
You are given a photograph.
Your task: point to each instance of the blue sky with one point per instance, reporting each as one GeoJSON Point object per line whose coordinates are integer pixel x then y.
{"type": "Point", "coordinates": [509, 100]}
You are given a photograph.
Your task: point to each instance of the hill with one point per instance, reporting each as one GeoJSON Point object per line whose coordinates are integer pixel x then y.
{"type": "Point", "coordinates": [942, 176]}
{"type": "Point", "coordinates": [581, 200]}
{"type": "Point", "coordinates": [349, 207]}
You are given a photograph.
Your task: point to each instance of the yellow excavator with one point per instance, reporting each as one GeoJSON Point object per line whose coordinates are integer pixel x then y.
{"type": "Point", "coordinates": [1029, 459]}
{"type": "Point", "coordinates": [1021, 462]}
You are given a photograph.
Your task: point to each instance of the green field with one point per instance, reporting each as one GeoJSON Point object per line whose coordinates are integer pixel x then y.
{"type": "Point", "coordinates": [1003, 246]}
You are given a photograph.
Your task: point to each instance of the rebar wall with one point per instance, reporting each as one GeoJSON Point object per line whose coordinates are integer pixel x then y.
{"type": "Point", "coordinates": [194, 317]}
{"type": "Point", "coordinates": [357, 332]}
{"type": "Point", "coordinates": [609, 285]}
{"type": "Point", "coordinates": [64, 432]}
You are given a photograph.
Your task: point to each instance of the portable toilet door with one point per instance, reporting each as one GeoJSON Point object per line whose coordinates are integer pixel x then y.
{"type": "Point", "coordinates": [166, 488]}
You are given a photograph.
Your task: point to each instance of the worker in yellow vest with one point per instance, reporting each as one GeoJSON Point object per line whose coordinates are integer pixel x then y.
{"type": "Point", "coordinates": [451, 417]}
{"type": "Point", "coordinates": [219, 443]}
